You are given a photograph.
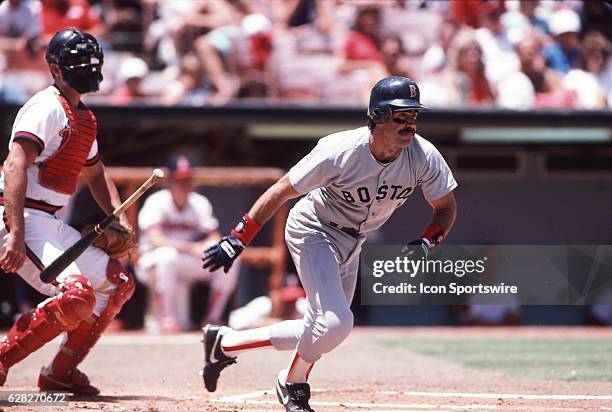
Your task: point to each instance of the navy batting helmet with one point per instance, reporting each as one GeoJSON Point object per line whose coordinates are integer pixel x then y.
{"type": "Point", "coordinates": [79, 57]}
{"type": "Point", "coordinates": [393, 94]}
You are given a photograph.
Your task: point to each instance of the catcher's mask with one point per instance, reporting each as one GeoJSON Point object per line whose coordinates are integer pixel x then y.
{"type": "Point", "coordinates": [79, 57]}
{"type": "Point", "coordinates": [393, 94]}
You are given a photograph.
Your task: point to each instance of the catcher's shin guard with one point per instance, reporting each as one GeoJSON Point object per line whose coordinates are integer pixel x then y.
{"type": "Point", "coordinates": [79, 342]}
{"type": "Point", "coordinates": [61, 313]}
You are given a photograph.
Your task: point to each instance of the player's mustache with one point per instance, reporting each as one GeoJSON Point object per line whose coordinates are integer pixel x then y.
{"type": "Point", "coordinates": [409, 129]}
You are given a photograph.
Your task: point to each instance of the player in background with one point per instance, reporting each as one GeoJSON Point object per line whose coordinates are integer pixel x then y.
{"type": "Point", "coordinates": [176, 224]}
{"type": "Point", "coordinates": [354, 181]}
{"type": "Point", "coordinates": [52, 143]}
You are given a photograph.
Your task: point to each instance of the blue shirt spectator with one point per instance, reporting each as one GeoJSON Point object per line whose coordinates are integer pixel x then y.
{"type": "Point", "coordinates": [564, 53]}
{"type": "Point", "coordinates": [558, 59]}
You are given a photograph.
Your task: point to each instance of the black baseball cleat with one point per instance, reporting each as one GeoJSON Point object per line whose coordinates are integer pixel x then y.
{"type": "Point", "coordinates": [214, 358]}
{"type": "Point", "coordinates": [294, 396]}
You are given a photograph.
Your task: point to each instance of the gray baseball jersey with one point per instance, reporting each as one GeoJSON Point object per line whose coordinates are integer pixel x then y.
{"type": "Point", "coordinates": [348, 186]}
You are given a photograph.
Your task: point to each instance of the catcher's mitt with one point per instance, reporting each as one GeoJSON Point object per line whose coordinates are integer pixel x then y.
{"type": "Point", "coordinates": [117, 240]}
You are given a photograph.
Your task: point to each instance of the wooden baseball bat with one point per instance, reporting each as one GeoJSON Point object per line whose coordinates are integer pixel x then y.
{"type": "Point", "coordinates": [56, 267]}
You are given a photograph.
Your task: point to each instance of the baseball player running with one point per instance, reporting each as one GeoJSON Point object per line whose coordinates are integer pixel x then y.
{"type": "Point", "coordinates": [354, 180]}
{"type": "Point", "coordinates": [53, 141]}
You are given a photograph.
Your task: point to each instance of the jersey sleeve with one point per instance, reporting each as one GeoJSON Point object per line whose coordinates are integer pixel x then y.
{"type": "Point", "coordinates": [207, 220]}
{"type": "Point", "coordinates": [150, 214]}
{"type": "Point", "coordinates": [94, 156]}
{"type": "Point", "coordinates": [317, 169]}
{"type": "Point", "coordinates": [34, 125]}
{"type": "Point", "coordinates": [436, 178]}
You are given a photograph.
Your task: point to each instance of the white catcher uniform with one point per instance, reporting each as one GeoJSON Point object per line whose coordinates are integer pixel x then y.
{"type": "Point", "coordinates": [350, 193]}
{"type": "Point", "coordinates": [172, 273]}
{"type": "Point", "coordinates": [43, 121]}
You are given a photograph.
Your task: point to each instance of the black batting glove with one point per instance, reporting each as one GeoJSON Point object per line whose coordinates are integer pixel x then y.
{"type": "Point", "coordinates": [222, 254]}
{"type": "Point", "coordinates": [418, 248]}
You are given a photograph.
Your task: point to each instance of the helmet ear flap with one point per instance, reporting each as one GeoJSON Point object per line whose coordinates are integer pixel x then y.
{"type": "Point", "coordinates": [381, 114]}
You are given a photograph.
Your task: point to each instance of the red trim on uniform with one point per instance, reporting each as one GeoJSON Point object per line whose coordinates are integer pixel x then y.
{"type": "Point", "coordinates": [32, 256]}
{"type": "Point", "coordinates": [40, 144]}
{"type": "Point", "coordinates": [93, 160]}
{"type": "Point", "coordinates": [35, 204]}
{"type": "Point", "coordinates": [293, 362]}
{"type": "Point", "coordinates": [309, 370]}
{"type": "Point", "coordinates": [244, 346]}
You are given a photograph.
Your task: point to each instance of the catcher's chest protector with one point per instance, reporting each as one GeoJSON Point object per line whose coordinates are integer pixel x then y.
{"type": "Point", "coordinates": [61, 170]}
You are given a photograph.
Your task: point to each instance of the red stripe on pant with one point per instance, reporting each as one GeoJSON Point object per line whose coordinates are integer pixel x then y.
{"type": "Point", "coordinates": [29, 253]}
{"type": "Point", "coordinates": [294, 361]}
{"type": "Point", "coordinates": [250, 345]}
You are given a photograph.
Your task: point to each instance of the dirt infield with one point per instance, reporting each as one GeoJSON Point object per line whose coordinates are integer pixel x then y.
{"type": "Point", "coordinates": [160, 372]}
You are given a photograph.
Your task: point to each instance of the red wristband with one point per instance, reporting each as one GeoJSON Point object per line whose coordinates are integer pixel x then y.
{"type": "Point", "coordinates": [434, 234]}
{"type": "Point", "coordinates": [246, 229]}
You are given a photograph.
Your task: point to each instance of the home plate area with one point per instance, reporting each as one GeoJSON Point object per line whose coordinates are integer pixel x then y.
{"type": "Point", "coordinates": [347, 400]}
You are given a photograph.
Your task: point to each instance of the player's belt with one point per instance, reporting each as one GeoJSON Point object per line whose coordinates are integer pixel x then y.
{"type": "Point", "coordinates": [35, 204]}
{"type": "Point", "coordinates": [347, 230]}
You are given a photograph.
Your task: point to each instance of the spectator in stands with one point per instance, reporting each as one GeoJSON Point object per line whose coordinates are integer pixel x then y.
{"type": "Point", "coordinates": [564, 53]}
{"type": "Point", "coordinates": [534, 85]}
{"type": "Point", "coordinates": [362, 45]}
{"type": "Point", "coordinates": [596, 16]}
{"type": "Point", "coordinates": [131, 74]}
{"type": "Point", "coordinates": [360, 55]}
{"type": "Point", "coordinates": [19, 31]}
{"type": "Point", "coordinates": [396, 61]}
{"type": "Point", "coordinates": [19, 26]}
{"type": "Point", "coordinates": [591, 81]}
{"type": "Point", "coordinates": [57, 15]}
{"type": "Point", "coordinates": [124, 21]}
{"type": "Point", "coordinates": [467, 12]}
{"type": "Point", "coordinates": [235, 57]}
{"type": "Point", "coordinates": [322, 34]}
{"type": "Point", "coordinates": [297, 13]}
{"type": "Point", "coordinates": [466, 82]}
{"type": "Point", "coordinates": [596, 60]}
{"type": "Point", "coordinates": [191, 20]}
{"type": "Point", "coordinates": [528, 9]}
{"type": "Point", "coordinates": [175, 224]}
{"type": "Point", "coordinates": [497, 48]}
{"type": "Point", "coordinates": [435, 58]}
{"type": "Point", "coordinates": [190, 86]}
{"type": "Point", "coordinates": [23, 69]}
{"type": "Point", "coordinates": [10, 92]}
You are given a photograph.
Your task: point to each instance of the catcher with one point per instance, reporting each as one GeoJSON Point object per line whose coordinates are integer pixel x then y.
{"type": "Point", "coordinates": [53, 141]}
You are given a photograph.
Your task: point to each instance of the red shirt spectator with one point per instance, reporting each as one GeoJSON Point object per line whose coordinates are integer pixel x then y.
{"type": "Point", "coordinates": [474, 13]}
{"type": "Point", "coordinates": [358, 46]}
{"type": "Point", "coordinates": [362, 43]}
{"type": "Point", "coordinates": [57, 15]}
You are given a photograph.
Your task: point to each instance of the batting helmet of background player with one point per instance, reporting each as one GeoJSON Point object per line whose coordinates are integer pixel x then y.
{"type": "Point", "coordinates": [79, 57]}
{"type": "Point", "coordinates": [393, 94]}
